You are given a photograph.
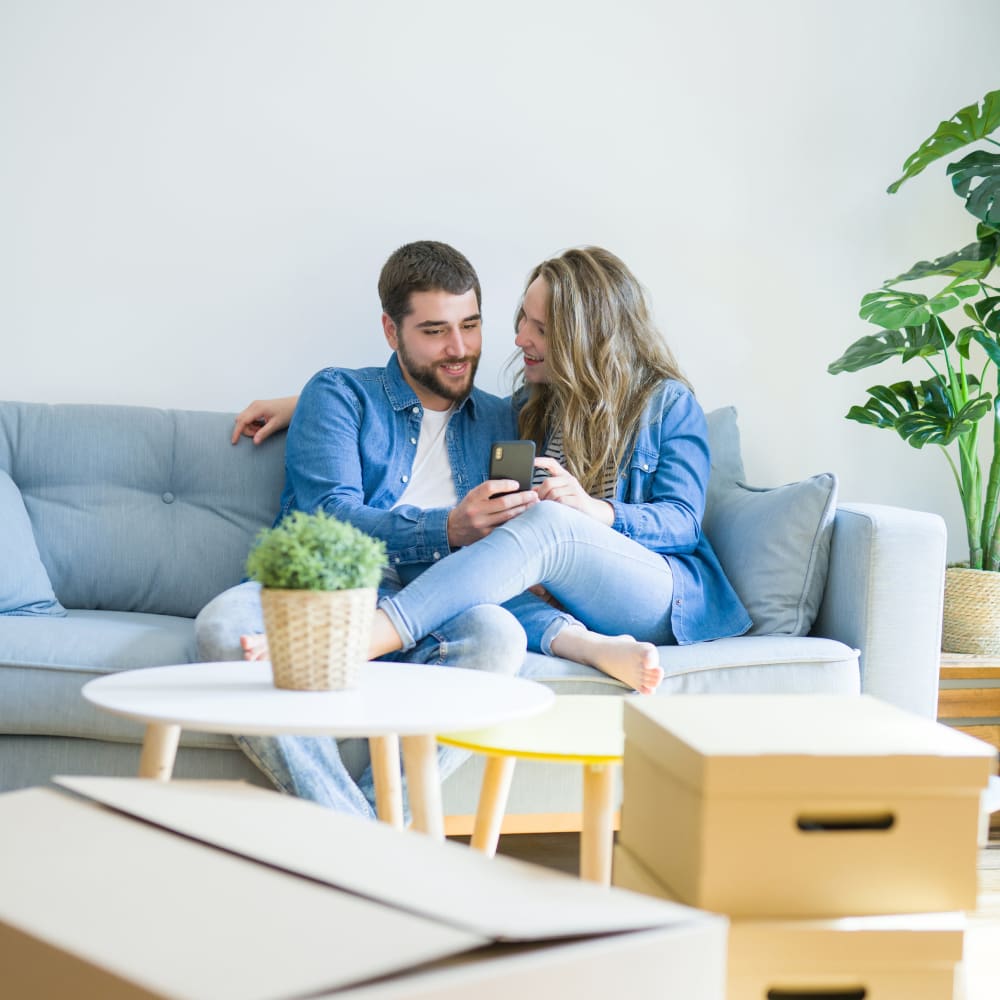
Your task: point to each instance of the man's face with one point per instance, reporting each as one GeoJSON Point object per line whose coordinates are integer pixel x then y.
{"type": "Point", "coordinates": [438, 345]}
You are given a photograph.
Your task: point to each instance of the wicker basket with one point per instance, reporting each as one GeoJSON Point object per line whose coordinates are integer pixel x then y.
{"type": "Point", "coordinates": [318, 639]}
{"type": "Point", "coordinates": [971, 611]}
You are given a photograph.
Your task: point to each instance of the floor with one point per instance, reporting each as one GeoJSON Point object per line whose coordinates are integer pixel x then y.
{"type": "Point", "coordinates": [982, 938]}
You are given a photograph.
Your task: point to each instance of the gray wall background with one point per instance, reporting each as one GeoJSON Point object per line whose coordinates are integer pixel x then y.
{"type": "Point", "coordinates": [196, 197]}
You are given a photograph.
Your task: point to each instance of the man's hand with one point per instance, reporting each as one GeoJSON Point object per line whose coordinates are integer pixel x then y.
{"type": "Point", "coordinates": [562, 487]}
{"type": "Point", "coordinates": [263, 417]}
{"type": "Point", "coordinates": [477, 515]}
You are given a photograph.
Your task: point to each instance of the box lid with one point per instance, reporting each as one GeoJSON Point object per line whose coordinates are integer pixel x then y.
{"type": "Point", "coordinates": [185, 890]}
{"type": "Point", "coordinates": [753, 744]}
{"type": "Point", "coordinates": [445, 882]}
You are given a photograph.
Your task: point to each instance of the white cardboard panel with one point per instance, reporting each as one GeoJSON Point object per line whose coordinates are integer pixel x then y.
{"type": "Point", "coordinates": [447, 882]}
{"type": "Point", "coordinates": [172, 918]}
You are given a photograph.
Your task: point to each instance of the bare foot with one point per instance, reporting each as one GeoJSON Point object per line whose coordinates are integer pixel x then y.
{"type": "Point", "coordinates": [634, 663]}
{"type": "Point", "coordinates": [254, 646]}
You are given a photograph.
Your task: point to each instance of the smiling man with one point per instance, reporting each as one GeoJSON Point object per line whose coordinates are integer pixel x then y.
{"type": "Point", "coordinates": [402, 453]}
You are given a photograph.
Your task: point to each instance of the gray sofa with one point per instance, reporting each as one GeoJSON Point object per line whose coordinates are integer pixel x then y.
{"type": "Point", "coordinates": [137, 517]}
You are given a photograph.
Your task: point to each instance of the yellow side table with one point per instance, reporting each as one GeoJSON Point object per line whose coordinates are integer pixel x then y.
{"type": "Point", "coordinates": [577, 729]}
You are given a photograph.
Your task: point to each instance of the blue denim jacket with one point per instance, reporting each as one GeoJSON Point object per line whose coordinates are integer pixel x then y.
{"type": "Point", "coordinates": [660, 501]}
{"type": "Point", "coordinates": [351, 446]}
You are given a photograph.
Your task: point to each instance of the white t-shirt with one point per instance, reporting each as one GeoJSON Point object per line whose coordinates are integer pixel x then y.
{"type": "Point", "coordinates": [431, 484]}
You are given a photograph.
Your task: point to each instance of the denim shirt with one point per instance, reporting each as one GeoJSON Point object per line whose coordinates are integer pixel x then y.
{"type": "Point", "coordinates": [350, 452]}
{"type": "Point", "coordinates": [660, 501]}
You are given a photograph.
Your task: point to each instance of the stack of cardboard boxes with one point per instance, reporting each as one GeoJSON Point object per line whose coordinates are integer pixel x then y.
{"type": "Point", "coordinates": [838, 834]}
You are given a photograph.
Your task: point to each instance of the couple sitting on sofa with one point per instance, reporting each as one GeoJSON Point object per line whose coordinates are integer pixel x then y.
{"type": "Point", "coordinates": [603, 560]}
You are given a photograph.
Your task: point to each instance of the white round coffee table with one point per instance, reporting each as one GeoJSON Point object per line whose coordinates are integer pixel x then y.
{"type": "Point", "coordinates": [396, 703]}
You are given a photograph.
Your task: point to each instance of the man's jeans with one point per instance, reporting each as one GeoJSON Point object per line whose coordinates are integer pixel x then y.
{"type": "Point", "coordinates": [481, 638]}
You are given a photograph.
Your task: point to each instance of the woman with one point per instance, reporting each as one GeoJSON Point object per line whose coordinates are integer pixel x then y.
{"type": "Point", "coordinates": [616, 558]}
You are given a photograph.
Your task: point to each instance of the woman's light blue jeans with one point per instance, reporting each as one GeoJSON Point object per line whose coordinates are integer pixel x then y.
{"type": "Point", "coordinates": [602, 579]}
{"type": "Point", "coordinates": [311, 767]}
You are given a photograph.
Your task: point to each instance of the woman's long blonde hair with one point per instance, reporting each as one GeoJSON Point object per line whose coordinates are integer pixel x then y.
{"type": "Point", "coordinates": [604, 359]}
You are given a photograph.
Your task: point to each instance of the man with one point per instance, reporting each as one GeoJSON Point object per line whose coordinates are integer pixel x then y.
{"type": "Point", "coordinates": [402, 453]}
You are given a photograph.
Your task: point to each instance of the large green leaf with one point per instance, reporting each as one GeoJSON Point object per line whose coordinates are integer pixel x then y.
{"type": "Point", "coordinates": [985, 312]}
{"type": "Point", "coordinates": [921, 413]}
{"type": "Point", "coordinates": [967, 125]}
{"type": "Point", "coordinates": [983, 199]}
{"type": "Point", "coordinates": [909, 342]}
{"type": "Point", "coordinates": [973, 261]}
{"type": "Point", "coordinates": [989, 345]}
{"type": "Point", "coordinates": [895, 309]}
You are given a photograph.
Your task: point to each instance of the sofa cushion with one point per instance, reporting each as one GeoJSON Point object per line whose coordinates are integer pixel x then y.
{"type": "Point", "coordinates": [774, 545]}
{"type": "Point", "coordinates": [740, 665]}
{"type": "Point", "coordinates": [138, 509]}
{"type": "Point", "coordinates": [24, 585]}
{"type": "Point", "coordinates": [724, 448]}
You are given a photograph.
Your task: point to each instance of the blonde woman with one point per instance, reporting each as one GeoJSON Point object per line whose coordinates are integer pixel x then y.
{"type": "Point", "coordinates": [612, 562]}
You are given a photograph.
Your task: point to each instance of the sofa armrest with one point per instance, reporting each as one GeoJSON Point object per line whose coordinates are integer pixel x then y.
{"type": "Point", "coordinates": [884, 595]}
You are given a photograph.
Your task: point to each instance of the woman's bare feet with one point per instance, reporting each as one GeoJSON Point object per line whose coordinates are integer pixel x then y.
{"type": "Point", "coordinates": [634, 663]}
{"type": "Point", "coordinates": [254, 646]}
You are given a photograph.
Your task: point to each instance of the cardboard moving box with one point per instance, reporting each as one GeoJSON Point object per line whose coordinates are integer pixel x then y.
{"type": "Point", "coordinates": [121, 889]}
{"type": "Point", "coordinates": [802, 805]}
{"type": "Point", "coordinates": [914, 956]}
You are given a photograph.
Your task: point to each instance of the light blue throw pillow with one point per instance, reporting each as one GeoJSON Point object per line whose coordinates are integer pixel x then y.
{"type": "Point", "coordinates": [774, 544]}
{"type": "Point", "coordinates": [24, 585]}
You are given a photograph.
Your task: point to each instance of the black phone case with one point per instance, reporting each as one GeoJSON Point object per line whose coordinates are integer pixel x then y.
{"type": "Point", "coordinates": [513, 460]}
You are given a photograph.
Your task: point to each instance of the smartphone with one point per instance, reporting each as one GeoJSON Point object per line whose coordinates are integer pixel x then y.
{"type": "Point", "coordinates": [513, 460]}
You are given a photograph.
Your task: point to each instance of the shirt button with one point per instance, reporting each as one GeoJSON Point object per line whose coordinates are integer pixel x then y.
{"type": "Point", "coordinates": [437, 555]}
{"type": "Point", "coordinates": [413, 440]}
{"type": "Point", "coordinates": [167, 498]}
{"type": "Point", "coordinates": [397, 560]}
{"type": "Point", "coordinates": [416, 409]}
{"type": "Point", "coordinates": [645, 467]}
{"type": "Point", "coordinates": [406, 479]}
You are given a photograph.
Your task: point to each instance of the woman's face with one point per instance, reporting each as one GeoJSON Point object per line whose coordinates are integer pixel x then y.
{"type": "Point", "coordinates": [531, 331]}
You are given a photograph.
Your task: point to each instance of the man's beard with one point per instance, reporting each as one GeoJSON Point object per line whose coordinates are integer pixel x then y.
{"type": "Point", "coordinates": [428, 377]}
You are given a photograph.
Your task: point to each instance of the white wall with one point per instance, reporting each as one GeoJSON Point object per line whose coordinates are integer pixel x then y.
{"type": "Point", "coordinates": [196, 196]}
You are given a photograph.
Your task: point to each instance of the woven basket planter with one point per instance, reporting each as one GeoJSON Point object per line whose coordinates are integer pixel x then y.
{"type": "Point", "coordinates": [318, 639]}
{"type": "Point", "coordinates": [971, 611]}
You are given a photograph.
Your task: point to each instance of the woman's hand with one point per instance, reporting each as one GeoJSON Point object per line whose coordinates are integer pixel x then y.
{"type": "Point", "coordinates": [562, 487]}
{"type": "Point", "coordinates": [264, 417]}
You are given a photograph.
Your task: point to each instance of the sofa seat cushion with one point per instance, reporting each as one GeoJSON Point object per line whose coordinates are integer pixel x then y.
{"type": "Point", "coordinates": [741, 665]}
{"type": "Point", "coordinates": [47, 660]}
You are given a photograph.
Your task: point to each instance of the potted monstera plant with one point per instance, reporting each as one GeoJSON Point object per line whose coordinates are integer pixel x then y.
{"type": "Point", "coordinates": [950, 327]}
{"type": "Point", "coordinates": [318, 581]}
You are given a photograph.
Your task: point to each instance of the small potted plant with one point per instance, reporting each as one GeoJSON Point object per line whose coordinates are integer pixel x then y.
{"type": "Point", "coordinates": [318, 581]}
{"type": "Point", "coordinates": [947, 407]}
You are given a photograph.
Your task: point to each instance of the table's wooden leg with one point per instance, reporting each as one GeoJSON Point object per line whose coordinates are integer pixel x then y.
{"type": "Point", "coordinates": [424, 784]}
{"type": "Point", "coordinates": [492, 803]}
{"type": "Point", "coordinates": [598, 823]}
{"type": "Point", "coordinates": [388, 782]}
{"type": "Point", "coordinates": [159, 750]}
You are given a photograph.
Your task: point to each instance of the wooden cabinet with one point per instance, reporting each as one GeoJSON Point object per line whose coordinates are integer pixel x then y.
{"type": "Point", "coordinates": [969, 695]}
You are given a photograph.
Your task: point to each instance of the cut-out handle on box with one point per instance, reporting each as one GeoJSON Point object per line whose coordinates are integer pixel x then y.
{"type": "Point", "coordinates": [838, 824]}
{"type": "Point", "coordinates": [838, 994]}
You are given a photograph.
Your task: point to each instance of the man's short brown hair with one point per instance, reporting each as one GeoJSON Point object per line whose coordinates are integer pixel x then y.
{"type": "Point", "coordinates": [424, 266]}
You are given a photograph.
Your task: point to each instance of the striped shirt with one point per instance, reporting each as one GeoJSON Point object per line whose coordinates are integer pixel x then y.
{"type": "Point", "coordinates": [554, 449]}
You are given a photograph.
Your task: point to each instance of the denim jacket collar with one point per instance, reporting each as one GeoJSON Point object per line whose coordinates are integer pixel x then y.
{"type": "Point", "coordinates": [401, 395]}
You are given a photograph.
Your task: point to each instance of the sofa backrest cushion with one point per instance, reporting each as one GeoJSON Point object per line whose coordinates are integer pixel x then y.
{"type": "Point", "coordinates": [139, 509]}
{"type": "Point", "coordinates": [773, 543]}
{"type": "Point", "coordinates": [24, 585]}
